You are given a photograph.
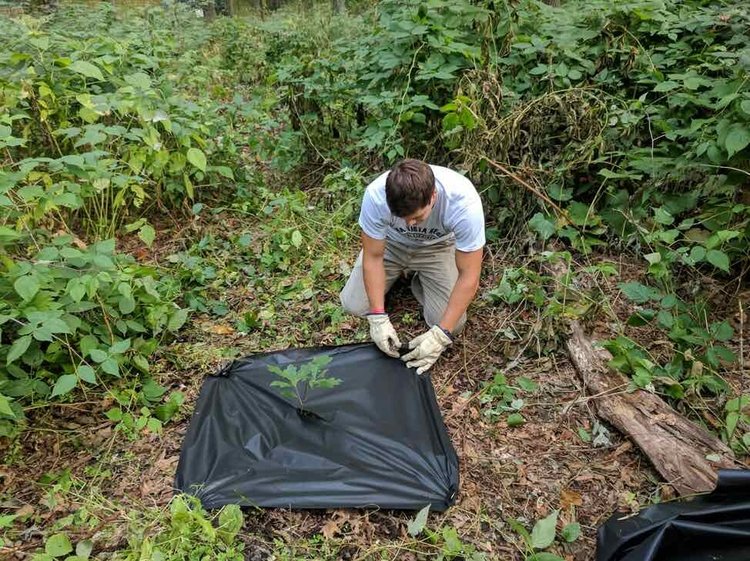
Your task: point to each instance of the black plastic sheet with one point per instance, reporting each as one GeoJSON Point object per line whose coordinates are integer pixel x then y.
{"type": "Point", "coordinates": [713, 527]}
{"type": "Point", "coordinates": [375, 440]}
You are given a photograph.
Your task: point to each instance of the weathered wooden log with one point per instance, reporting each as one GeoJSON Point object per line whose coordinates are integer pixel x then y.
{"type": "Point", "coordinates": [677, 448]}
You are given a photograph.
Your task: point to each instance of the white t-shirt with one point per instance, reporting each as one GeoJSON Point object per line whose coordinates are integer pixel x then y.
{"type": "Point", "coordinates": [457, 214]}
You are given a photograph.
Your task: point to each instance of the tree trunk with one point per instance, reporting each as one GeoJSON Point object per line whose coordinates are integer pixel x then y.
{"type": "Point", "coordinates": [677, 448]}
{"type": "Point", "coordinates": [339, 6]}
{"type": "Point", "coordinates": [209, 10]}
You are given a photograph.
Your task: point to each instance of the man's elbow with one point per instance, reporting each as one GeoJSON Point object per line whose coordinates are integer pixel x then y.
{"type": "Point", "coordinates": [470, 281]}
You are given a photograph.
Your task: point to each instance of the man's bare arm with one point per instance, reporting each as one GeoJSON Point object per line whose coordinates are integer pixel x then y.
{"type": "Point", "coordinates": [469, 266]}
{"type": "Point", "coordinates": [373, 271]}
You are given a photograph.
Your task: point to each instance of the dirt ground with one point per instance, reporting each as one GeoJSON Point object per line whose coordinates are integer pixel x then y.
{"type": "Point", "coordinates": [520, 473]}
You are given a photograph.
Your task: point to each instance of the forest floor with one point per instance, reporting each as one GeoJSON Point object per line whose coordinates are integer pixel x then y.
{"type": "Point", "coordinates": [70, 460]}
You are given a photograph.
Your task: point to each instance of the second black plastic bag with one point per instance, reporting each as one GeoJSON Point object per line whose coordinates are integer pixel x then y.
{"type": "Point", "coordinates": [713, 527]}
{"type": "Point", "coordinates": [375, 440]}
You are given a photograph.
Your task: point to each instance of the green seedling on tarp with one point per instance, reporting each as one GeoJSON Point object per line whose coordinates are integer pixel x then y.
{"type": "Point", "coordinates": [296, 381]}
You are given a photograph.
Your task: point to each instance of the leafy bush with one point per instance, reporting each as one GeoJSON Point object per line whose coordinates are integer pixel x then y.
{"type": "Point", "coordinates": [74, 316]}
{"type": "Point", "coordinates": [93, 129]}
{"type": "Point", "coordinates": [97, 124]}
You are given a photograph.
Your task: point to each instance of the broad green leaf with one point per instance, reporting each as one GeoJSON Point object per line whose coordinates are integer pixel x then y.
{"type": "Point", "coordinates": [515, 420]}
{"type": "Point", "coordinates": [197, 158]}
{"type": "Point", "coordinates": [722, 331]}
{"type": "Point", "coordinates": [697, 253]}
{"type": "Point", "coordinates": [86, 373]}
{"type": "Point", "coordinates": [154, 425]}
{"type": "Point", "coordinates": [718, 259]}
{"type": "Point", "coordinates": [114, 414]}
{"type": "Point", "coordinates": [230, 523]}
{"type": "Point", "coordinates": [110, 366]}
{"type": "Point", "coordinates": [526, 384]}
{"type": "Point", "coordinates": [665, 319]}
{"type": "Point", "coordinates": [84, 548]}
{"type": "Point", "coordinates": [638, 292]}
{"type": "Point", "coordinates": [732, 419]}
{"type": "Point", "coordinates": [177, 319]}
{"type": "Point", "coordinates": [543, 533]}
{"type": "Point", "coordinates": [544, 556]}
{"type": "Point", "coordinates": [87, 69]}
{"type": "Point", "coordinates": [64, 384]}
{"type": "Point", "coordinates": [147, 234]}
{"type": "Point", "coordinates": [224, 171]}
{"type": "Point", "coordinates": [152, 391]}
{"type": "Point", "coordinates": [5, 409]}
{"type": "Point", "coordinates": [26, 287]}
{"type": "Point", "coordinates": [188, 186]}
{"type": "Point", "coordinates": [120, 347]}
{"type": "Point", "coordinates": [666, 86]}
{"type": "Point", "coordinates": [126, 304]}
{"type": "Point", "coordinates": [98, 355]}
{"type": "Point", "coordinates": [296, 238]}
{"type": "Point", "coordinates": [662, 216]}
{"type": "Point", "coordinates": [6, 520]}
{"type": "Point", "coordinates": [139, 80]}
{"type": "Point", "coordinates": [737, 139]}
{"type": "Point", "coordinates": [56, 325]}
{"type": "Point", "coordinates": [414, 527]}
{"type": "Point", "coordinates": [571, 532]}
{"type": "Point", "coordinates": [17, 349]}
{"type": "Point", "coordinates": [542, 225]}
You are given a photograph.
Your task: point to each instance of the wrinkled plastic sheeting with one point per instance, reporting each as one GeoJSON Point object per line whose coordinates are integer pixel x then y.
{"type": "Point", "coordinates": [713, 527]}
{"type": "Point", "coordinates": [375, 440]}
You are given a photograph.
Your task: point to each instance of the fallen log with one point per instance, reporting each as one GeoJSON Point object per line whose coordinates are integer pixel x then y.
{"type": "Point", "coordinates": [686, 455]}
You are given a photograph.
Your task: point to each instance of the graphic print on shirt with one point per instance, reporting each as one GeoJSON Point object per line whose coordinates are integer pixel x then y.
{"type": "Point", "coordinates": [416, 232]}
{"type": "Point", "coordinates": [457, 215]}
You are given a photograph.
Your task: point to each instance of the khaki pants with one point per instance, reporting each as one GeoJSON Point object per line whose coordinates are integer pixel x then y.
{"type": "Point", "coordinates": [435, 275]}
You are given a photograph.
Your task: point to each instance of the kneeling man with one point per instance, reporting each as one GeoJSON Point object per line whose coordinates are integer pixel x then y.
{"type": "Point", "coordinates": [426, 221]}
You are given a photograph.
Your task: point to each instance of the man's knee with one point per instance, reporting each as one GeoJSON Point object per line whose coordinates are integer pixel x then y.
{"type": "Point", "coordinates": [353, 305]}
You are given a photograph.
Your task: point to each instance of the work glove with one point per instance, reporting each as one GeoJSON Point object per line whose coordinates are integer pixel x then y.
{"type": "Point", "coordinates": [427, 349]}
{"type": "Point", "coordinates": [383, 334]}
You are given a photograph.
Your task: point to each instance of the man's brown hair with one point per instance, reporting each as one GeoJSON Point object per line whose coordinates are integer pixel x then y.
{"type": "Point", "coordinates": [409, 187]}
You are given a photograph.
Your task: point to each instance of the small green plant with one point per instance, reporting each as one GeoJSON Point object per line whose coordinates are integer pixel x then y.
{"type": "Point", "coordinates": [738, 423]}
{"type": "Point", "coordinates": [520, 284]}
{"type": "Point", "coordinates": [187, 531]}
{"type": "Point", "coordinates": [296, 381]}
{"type": "Point", "coordinates": [500, 398]}
{"type": "Point", "coordinates": [543, 535]}
{"type": "Point", "coordinates": [446, 538]}
{"type": "Point", "coordinates": [59, 546]}
{"type": "Point", "coordinates": [144, 409]}
{"type": "Point", "coordinates": [698, 351]}
{"type": "Point", "coordinates": [77, 316]}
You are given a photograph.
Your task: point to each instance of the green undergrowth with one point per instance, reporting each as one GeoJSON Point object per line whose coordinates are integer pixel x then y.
{"type": "Point", "coordinates": [178, 192]}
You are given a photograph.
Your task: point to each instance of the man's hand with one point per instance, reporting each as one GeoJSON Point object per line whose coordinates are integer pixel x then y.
{"type": "Point", "coordinates": [427, 349]}
{"type": "Point", "coordinates": [383, 334]}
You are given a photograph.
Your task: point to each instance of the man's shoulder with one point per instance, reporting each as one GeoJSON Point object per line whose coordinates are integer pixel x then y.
{"type": "Point", "coordinates": [376, 187]}
{"type": "Point", "coordinates": [457, 186]}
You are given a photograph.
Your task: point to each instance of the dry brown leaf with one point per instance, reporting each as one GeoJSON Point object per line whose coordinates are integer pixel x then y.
{"type": "Point", "coordinates": [25, 510]}
{"type": "Point", "coordinates": [166, 464]}
{"type": "Point", "coordinates": [570, 498]}
{"type": "Point", "coordinates": [622, 448]}
{"type": "Point", "coordinates": [330, 529]}
{"type": "Point", "coordinates": [220, 329]}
